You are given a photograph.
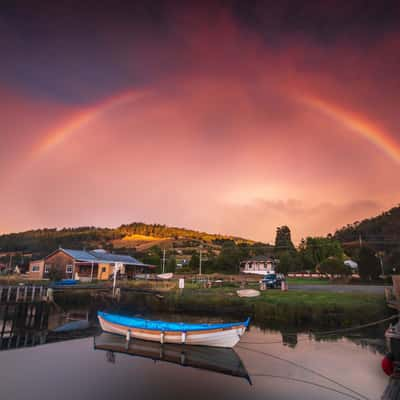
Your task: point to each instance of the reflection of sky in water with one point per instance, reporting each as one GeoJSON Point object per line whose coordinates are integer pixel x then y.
{"type": "Point", "coordinates": [73, 370]}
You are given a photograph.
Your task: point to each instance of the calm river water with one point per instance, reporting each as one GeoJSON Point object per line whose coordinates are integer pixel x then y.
{"type": "Point", "coordinates": [99, 368]}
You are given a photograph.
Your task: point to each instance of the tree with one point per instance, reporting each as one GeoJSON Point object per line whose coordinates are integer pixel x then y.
{"type": "Point", "coordinates": [171, 264]}
{"type": "Point", "coordinates": [333, 266]}
{"type": "Point", "coordinates": [314, 250]}
{"type": "Point", "coordinates": [228, 260]}
{"type": "Point", "coordinates": [368, 265]}
{"type": "Point", "coordinates": [283, 240]}
{"type": "Point", "coordinates": [194, 263]}
{"type": "Point", "coordinates": [392, 263]}
{"type": "Point", "coordinates": [285, 263]}
{"type": "Point", "coordinates": [152, 258]}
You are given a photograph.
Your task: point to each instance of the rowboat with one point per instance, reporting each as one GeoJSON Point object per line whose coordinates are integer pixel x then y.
{"type": "Point", "coordinates": [248, 293]}
{"type": "Point", "coordinates": [220, 360]}
{"type": "Point", "coordinates": [218, 335]}
{"type": "Point", "coordinates": [168, 275]}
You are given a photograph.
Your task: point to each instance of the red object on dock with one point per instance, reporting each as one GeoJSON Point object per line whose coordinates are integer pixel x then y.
{"type": "Point", "coordinates": [387, 365]}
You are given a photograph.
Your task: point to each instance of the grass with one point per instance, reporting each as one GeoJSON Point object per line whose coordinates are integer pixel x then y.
{"type": "Point", "coordinates": [309, 281]}
{"type": "Point", "coordinates": [294, 309]}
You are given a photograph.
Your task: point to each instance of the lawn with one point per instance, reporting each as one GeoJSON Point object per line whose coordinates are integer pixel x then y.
{"type": "Point", "coordinates": [309, 281]}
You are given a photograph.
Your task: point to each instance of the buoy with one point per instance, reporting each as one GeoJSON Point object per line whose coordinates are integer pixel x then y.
{"type": "Point", "coordinates": [387, 364]}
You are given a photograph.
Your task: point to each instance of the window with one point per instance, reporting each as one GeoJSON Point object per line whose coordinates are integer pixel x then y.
{"type": "Point", "coordinates": [46, 268]}
{"type": "Point", "coordinates": [35, 268]}
{"type": "Point", "coordinates": [69, 269]}
{"type": "Point", "coordinates": [103, 269]}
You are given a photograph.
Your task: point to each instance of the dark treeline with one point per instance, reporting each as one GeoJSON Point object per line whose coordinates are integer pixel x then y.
{"type": "Point", "coordinates": [378, 236]}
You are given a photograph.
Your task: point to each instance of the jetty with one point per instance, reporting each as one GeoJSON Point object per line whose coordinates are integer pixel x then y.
{"type": "Point", "coordinates": [24, 312]}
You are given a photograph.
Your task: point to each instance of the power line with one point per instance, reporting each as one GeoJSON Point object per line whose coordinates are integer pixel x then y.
{"type": "Point", "coordinates": [306, 369]}
{"type": "Point", "coordinates": [287, 378]}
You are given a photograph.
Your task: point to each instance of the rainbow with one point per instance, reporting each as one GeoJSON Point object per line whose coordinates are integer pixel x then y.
{"type": "Point", "coordinates": [357, 124]}
{"type": "Point", "coordinates": [80, 119]}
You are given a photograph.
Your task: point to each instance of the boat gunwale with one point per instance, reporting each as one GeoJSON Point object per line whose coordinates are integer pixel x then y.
{"type": "Point", "coordinates": [209, 328]}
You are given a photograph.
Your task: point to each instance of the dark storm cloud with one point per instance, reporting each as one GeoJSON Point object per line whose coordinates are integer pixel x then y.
{"type": "Point", "coordinates": [78, 52]}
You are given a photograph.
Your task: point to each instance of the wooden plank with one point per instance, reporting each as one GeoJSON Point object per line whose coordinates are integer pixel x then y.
{"type": "Point", "coordinates": [5, 316]}
{"type": "Point", "coordinates": [396, 286]}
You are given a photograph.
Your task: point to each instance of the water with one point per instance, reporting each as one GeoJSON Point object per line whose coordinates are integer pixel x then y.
{"type": "Point", "coordinates": [300, 368]}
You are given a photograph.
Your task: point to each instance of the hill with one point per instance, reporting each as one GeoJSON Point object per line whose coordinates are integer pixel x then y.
{"type": "Point", "coordinates": [131, 238]}
{"type": "Point", "coordinates": [381, 233]}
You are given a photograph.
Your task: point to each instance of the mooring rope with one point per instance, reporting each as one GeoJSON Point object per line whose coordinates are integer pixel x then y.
{"type": "Point", "coordinates": [305, 369]}
{"type": "Point", "coordinates": [329, 333]}
{"type": "Point", "coordinates": [288, 378]}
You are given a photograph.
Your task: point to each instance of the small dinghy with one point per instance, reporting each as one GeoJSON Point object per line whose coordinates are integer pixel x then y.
{"type": "Point", "coordinates": [218, 335]}
{"type": "Point", "coordinates": [168, 275]}
{"type": "Point", "coordinates": [248, 293]}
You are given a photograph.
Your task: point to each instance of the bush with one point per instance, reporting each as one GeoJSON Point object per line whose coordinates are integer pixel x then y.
{"type": "Point", "coordinates": [333, 266]}
{"type": "Point", "coordinates": [55, 274]}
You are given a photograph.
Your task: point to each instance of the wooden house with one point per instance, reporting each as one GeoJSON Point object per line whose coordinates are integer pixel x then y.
{"type": "Point", "coordinates": [36, 269]}
{"type": "Point", "coordinates": [87, 265]}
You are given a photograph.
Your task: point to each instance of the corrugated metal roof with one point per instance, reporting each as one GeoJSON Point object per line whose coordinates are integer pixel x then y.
{"type": "Point", "coordinates": [110, 257]}
{"type": "Point", "coordinates": [101, 257]}
{"type": "Point", "coordinates": [80, 255]}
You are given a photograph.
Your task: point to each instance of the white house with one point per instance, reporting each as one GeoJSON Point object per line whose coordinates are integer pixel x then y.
{"type": "Point", "coordinates": [259, 265]}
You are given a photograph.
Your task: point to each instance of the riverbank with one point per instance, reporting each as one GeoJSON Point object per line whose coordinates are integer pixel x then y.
{"type": "Point", "coordinates": [271, 308]}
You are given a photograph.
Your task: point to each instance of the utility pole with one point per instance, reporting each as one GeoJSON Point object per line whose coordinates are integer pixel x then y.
{"type": "Point", "coordinates": [200, 262]}
{"type": "Point", "coordinates": [360, 239]}
{"type": "Point", "coordinates": [9, 268]}
{"type": "Point", "coordinates": [381, 261]}
{"type": "Point", "coordinates": [163, 261]}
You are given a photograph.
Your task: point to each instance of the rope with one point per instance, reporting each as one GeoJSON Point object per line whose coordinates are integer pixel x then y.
{"type": "Point", "coordinates": [330, 333]}
{"type": "Point", "coordinates": [306, 369]}
{"type": "Point", "coordinates": [306, 382]}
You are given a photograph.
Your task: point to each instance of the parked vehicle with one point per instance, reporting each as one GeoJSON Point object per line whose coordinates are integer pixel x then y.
{"type": "Point", "coordinates": [272, 280]}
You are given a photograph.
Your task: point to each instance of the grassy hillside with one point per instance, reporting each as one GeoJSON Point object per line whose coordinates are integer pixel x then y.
{"type": "Point", "coordinates": [135, 236]}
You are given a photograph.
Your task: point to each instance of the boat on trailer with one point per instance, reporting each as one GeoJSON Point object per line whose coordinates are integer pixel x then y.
{"type": "Point", "coordinates": [218, 335]}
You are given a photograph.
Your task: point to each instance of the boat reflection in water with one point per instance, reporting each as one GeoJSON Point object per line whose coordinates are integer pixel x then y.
{"type": "Point", "coordinates": [216, 359]}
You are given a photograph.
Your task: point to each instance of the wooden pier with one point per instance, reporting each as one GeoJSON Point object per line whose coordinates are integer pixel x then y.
{"type": "Point", "coordinates": [24, 312]}
{"type": "Point", "coordinates": [26, 294]}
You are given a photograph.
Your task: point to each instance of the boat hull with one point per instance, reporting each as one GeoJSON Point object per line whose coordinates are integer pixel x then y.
{"type": "Point", "coordinates": [219, 337]}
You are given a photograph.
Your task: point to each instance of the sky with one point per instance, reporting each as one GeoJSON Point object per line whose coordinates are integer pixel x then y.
{"type": "Point", "coordinates": [227, 116]}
